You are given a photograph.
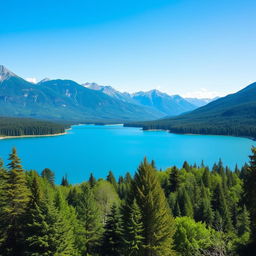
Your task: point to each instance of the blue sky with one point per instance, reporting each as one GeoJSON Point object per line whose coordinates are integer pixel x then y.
{"type": "Point", "coordinates": [190, 47]}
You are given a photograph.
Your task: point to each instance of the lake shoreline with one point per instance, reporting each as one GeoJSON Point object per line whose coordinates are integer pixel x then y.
{"type": "Point", "coordinates": [163, 130]}
{"type": "Point", "coordinates": [32, 136]}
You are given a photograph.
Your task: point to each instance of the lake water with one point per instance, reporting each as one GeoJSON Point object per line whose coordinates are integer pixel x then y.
{"type": "Point", "coordinates": [98, 149]}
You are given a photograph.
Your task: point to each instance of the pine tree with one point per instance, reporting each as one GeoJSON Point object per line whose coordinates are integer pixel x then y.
{"type": "Point", "coordinates": [220, 205]}
{"type": "Point", "coordinates": [243, 223]}
{"type": "Point", "coordinates": [92, 181]}
{"type": "Point", "coordinates": [111, 178]}
{"type": "Point", "coordinates": [158, 223]}
{"type": "Point", "coordinates": [174, 179]}
{"type": "Point", "coordinates": [185, 203]}
{"type": "Point", "coordinates": [89, 220]}
{"type": "Point", "coordinates": [17, 198]}
{"type": "Point", "coordinates": [65, 227]}
{"type": "Point", "coordinates": [206, 178]}
{"type": "Point", "coordinates": [132, 230]}
{"type": "Point", "coordinates": [112, 236]}
{"type": "Point", "coordinates": [48, 175]}
{"type": "Point", "coordinates": [250, 191]}
{"type": "Point", "coordinates": [64, 181]}
{"type": "Point", "coordinates": [186, 166]}
{"type": "Point", "coordinates": [3, 200]}
{"type": "Point", "coordinates": [37, 227]}
{"type": "Point", "coordinates": [205, 212]}
{"type": "Point", "coordinates": [48, 228]}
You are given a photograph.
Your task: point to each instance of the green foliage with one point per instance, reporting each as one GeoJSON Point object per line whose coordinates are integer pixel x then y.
{"type": "Point", "coordinates": [250, 191]}
{"type": "Point", "coordinates": [90, 231]}
{"type": "Point", "coordinates": [24, 126]}
{"type": "Point", "coordinates": [174, 179]}
{"type": "Point", "coordinates": [131, 217]}
{"type": "Point", "coordinates": [16, 197]}
{"type": "Point", "coordinates": [191, 236]}
{"type": "Point", "coordinates": [132, 230]}
{"type": "Point", "coordinates": [158, 223]}
{"type": "Point", "coordinates": [112, 235]}
{"type": "Point", "coordinates": [48, 175]}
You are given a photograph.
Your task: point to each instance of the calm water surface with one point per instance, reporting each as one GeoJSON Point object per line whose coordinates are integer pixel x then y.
{"type": "Point", "coordinates": [98, 149]}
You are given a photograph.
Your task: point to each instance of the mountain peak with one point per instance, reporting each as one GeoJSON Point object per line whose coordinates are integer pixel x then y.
{"type": "Point", "coordinates": [46, 79]}
{"type": "Point", "coordinates": [5, 73]}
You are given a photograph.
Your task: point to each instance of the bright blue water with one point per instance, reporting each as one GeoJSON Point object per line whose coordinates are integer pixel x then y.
{"type": "Point", "coordinates": [98, 149]}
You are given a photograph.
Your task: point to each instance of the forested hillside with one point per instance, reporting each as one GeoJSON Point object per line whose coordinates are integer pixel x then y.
{"type": "Point", "coordinates": [26, 126]}
{"type": "Point", "coordinates": [234, 115]}
{"type": "Point", "coordinates": [187, 212]}
{"type": "Point", "coordinates": [64, 100]}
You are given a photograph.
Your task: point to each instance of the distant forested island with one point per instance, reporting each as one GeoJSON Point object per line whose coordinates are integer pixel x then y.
{"type": "Point", "coordinates": [187, 212]}
{"type": "Point", "coordinates": [25, 126]}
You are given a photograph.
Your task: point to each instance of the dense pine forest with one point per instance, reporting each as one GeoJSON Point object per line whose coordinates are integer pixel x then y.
{"type": "Point", "coordinates": [226, 126]}
{"type": "Point", "coordinates": [25, 126]}
{"type": "Point", "coordinates": [192, 211]}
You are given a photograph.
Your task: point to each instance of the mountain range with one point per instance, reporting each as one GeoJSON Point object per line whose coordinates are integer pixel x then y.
{"type": "Point", "coordinates": [66, 100]}
{"type": "Point", "coordinates": [234, 114]}
{"type": "Point", "coordinates": [169, 105]}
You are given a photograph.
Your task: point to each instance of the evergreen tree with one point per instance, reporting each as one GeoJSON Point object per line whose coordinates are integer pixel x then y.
{"type": "Point", "coordinates": [112, 235]}
{"type": "Point", "coordinates": [132, 231]}
{"type": "Point", "coordinates": [250, 191]}
{"type": "Point", "coordinates": [65, 226]}
{"type": "Point", "coordinates": [158, 223]}
{"type": "Point", "coordinates": [3, 200]}
{"type": "Point", "coordinates": [243, 223]}
{"type": "Point", "coordinates": [73, 197]}
{"type": "Point", "coordinates": [220, 205]}
{"type": "Point", "coordinates": [89, 220]}
{"type": "Point", "coordinates": [185, 203]}
{"type": "Point", "coordinates": [48, 230]}
{"type": "Point", "coordinates": [186, 166]}
{"type": "Point", "coordinates": [48, 175]}
{"type": "Point", "coordinates": [174, 179]}
{"type": "Point", "coordinates": [17, 198]}
{"type": "Point", "coordinates": [206, 178]}
{"type": "Point", "coordinates": [92, 180]}
{"type": "Point", "coordinates": [205, 212]}
{"type": "Point", "coordinates": [111, 178]}
{"type": "Point", "coordinates": [64, 181]}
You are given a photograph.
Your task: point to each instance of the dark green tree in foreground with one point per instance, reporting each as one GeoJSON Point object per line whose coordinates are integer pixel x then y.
{"type": "Point", "coordinates": [16, 202]}
{"type": "Point", "coordinates": [132, 232]}
{"type": "Point", "coordinates": [89, 218]}
{"type": "Point", "coordinates": [112, 236]}
{"type": "Point", "coordinates": [158, 223]}
{"type": "Point", "coordinates": [250, 191]}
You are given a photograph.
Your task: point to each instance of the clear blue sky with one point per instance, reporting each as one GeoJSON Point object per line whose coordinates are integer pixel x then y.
{"type": "Point", "coordinates": [190, 47]}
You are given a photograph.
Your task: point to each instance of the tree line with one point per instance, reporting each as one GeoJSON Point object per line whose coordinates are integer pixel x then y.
{"type": "Point", "coordinates": [188, 211]}
{"type": "Point", "coordinates": [25, 126]}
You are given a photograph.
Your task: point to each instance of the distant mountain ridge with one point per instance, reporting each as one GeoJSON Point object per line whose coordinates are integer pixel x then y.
{"type": "Point", "coordinates": [169, 105]}
{"type": "Point", "coordinates": [234, 114]}
{"type": "Point", "coordinates": [63, 100]}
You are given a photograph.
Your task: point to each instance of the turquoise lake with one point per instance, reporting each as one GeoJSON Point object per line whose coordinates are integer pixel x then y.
{"type": "Point", "coordinates": [98, 149]}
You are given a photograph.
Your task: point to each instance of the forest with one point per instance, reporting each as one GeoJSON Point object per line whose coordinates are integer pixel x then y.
{"type": "Point", "coordinates": [25, 126]}
{"type": "Point", "coordinates": [188, 211]}
{"type": "Point", "coordinates": [209, 126]}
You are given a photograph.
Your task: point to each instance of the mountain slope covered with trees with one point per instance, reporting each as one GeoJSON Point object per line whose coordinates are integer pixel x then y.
{"type": "Point", "coordinates": [64, 100]}
{"type": "Point", "coordinates": [234, 114]}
